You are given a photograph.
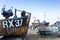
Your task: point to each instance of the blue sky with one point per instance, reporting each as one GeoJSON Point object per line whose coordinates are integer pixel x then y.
{"type": "Point", "coordinates": [37, 8]}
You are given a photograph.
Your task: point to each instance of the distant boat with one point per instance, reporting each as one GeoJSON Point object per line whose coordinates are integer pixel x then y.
{"type": "Point", "coordinates": [37, 23]}
{"type": "Point", "coordinates": [58, 24]}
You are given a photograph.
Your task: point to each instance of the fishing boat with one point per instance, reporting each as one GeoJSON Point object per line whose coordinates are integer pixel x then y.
{"type": "Point", "coordinates": [15, 25]}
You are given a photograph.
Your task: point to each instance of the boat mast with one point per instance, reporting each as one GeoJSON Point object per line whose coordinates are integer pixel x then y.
{"type": "Point", "coordinates": [44, 16]}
